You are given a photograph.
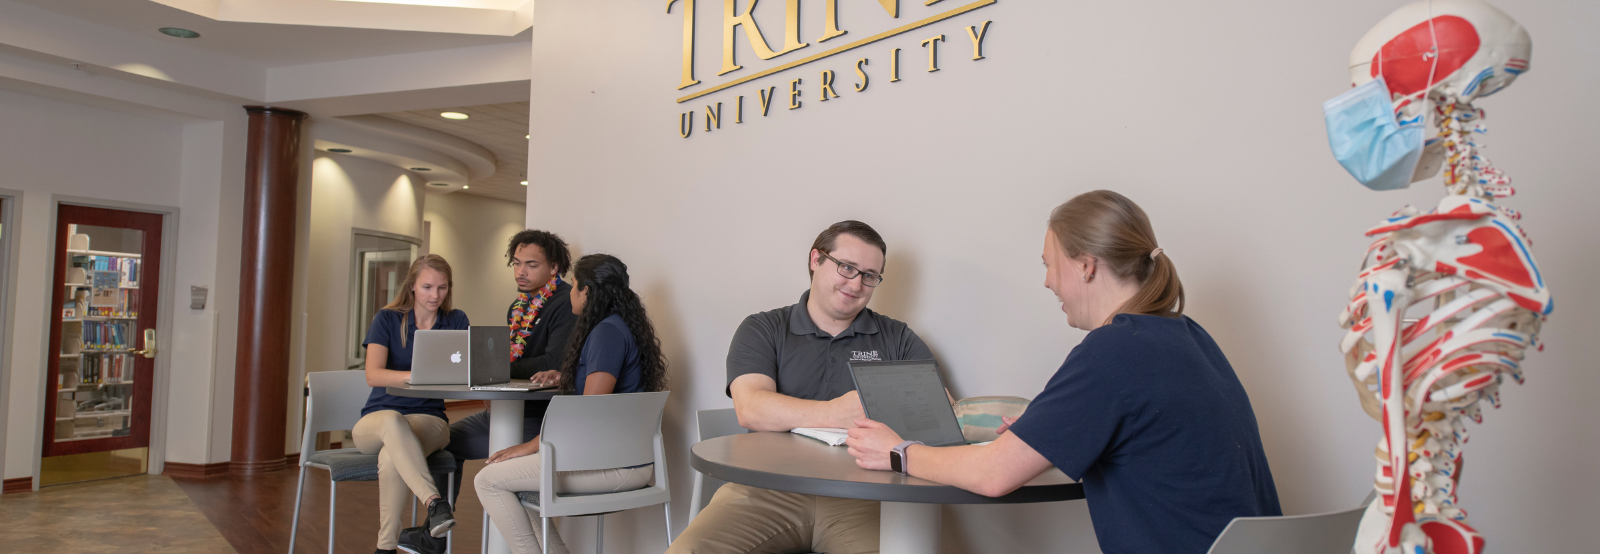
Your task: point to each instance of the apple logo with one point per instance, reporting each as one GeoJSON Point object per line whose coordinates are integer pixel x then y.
{"type": "Point", "coordinates": [455, 358]}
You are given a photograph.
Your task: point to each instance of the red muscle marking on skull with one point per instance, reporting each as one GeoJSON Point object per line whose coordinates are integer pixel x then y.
{"type": "Point", "coordinates": [1406, 60]}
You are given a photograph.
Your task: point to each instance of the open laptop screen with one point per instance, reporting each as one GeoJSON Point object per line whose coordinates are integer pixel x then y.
{"type": "Point", "coordinates": [909, 397]}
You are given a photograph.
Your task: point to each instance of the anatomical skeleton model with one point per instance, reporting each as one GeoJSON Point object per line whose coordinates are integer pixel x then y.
{"type": "Point", "coordinates": [1448, 300]}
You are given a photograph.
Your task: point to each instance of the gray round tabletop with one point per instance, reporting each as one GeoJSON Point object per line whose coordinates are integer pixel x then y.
{"type": "Point", "coordinates": [463, 392]}
{"type": "Point", "coordinates": [792, 463]}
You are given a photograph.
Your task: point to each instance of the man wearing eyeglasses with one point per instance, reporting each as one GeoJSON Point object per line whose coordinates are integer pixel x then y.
{"type": "Point", "coordinates": [789, 368]}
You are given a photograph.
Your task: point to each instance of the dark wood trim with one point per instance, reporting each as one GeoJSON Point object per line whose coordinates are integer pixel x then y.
{"type": "Point", "coordinates": [182, 470]}
{"type": "Point", "coordinates": [466, 405]}
{"type": "Point", "coordinates": [266, 281]}
{"type": "Point", "coordinates": [20, 484]}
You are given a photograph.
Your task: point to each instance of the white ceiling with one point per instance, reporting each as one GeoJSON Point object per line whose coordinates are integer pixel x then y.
{"type": "Point", "coordinates": [269, 45]}
{"type": "Point", "coordinates": [496, 127]}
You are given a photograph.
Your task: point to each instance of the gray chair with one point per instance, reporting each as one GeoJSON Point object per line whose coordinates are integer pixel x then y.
{"type": "Point", "coordinates": [600, 432]}
{"type": "Point", "coordinates": [1330, 533]}
{"type": "Point", "coordinates": [711, 424]}
{"type": "Point", "coordinates": [335, 404]}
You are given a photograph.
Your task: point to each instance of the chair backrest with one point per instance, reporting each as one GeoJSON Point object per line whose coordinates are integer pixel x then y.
{"type": "Point", "coordinates": [602, 431]}
{"type": "Point", "coordinates": [1330, 533]}
{"type": "Point", "coordinates": [711, 424]}
{"type": "Point", "coordinates": [335, 404]}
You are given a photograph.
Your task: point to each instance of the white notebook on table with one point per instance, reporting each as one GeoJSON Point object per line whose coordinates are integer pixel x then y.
{"type": "Point", "coordinates": [830, 435]}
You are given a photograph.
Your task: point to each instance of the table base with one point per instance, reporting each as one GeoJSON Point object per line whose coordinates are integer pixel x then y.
{"type": "Point", "coordinates": [505, 431]}
{"type": "Point", "coordinates": [908, 528]}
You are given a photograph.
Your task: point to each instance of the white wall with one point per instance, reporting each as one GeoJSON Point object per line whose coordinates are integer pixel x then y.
{"type": "Point", "coordinates": [471, 233]}
{"type": "Point", "coordinates": [54, 148]}
{"type": "Point", "coordinates": [1207, 114]}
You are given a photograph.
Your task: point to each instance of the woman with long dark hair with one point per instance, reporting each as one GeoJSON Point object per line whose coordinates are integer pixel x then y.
{"type": "Point", "coordinates": [404, 431]}
{"type": "Point", "coordinates": [614, 349]}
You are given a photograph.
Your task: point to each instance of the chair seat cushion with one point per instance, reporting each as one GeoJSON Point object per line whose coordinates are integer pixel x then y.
{"type": "Point", "coordinates": [350, 464]}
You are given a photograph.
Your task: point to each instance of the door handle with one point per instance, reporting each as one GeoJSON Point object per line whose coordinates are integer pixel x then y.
{"type": "Point", "coordinates": [149, 344]}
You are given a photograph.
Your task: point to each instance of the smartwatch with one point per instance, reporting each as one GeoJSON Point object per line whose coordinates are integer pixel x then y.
{"type": "Point", "coordinates": [897, 458]}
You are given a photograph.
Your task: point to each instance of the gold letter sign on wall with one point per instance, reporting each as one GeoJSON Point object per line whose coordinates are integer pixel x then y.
{"type": "Point", "coordinates": [740, 14]}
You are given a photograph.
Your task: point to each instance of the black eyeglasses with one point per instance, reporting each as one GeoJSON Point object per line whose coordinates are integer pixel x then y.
{"type": "Point", "coordinates": [850, 272]}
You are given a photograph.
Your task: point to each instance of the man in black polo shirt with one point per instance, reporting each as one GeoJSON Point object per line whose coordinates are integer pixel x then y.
{"type": "Point", "coordinates": [541, 321]}
{"type": "Point", "coordinates": [789, 368]}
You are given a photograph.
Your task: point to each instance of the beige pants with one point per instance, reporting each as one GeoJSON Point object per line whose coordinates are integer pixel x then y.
{"type": "Point", "coordinates": [746, 520]}
{"type": "Point", "coordinates": [499, 482]}
{"type": "Point", "coordinates": [402, 443]}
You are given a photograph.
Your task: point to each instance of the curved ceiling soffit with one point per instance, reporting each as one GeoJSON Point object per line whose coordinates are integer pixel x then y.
{"type": "Point", "coordinates": [479, 161]}
{"type": "Point", "coordinates": [380, 147]}
{"type": "Point", "coordinates": [475, 17]}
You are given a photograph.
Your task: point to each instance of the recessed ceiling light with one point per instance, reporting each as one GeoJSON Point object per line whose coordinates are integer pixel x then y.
{"type": "Point", "coordinates": [180, 33]}
{"type": "Point", "coordinates": [439, 184]}
{"type": "Point", "coordinates": [339, 150]}
{"type": "Point", "coordinates": [422, 169]}
{"type": "Point", "coordinates": [524, 183]}
{"type": "Point", "coordinates": [527, 136]}
{"type": "Point", "coordinates": [465, 187]}
{"type": "Point", "coordinates": [452, 115]}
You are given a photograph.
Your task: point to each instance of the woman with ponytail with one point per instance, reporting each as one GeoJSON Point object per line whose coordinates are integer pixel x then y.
{"type": "Point", "coordinates": [614, 349]}
{"type": "Point", "coordinates": [1146, 412]}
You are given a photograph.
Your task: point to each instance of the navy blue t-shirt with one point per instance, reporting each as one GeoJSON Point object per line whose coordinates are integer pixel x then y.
{"type": "Point", "coordinates": [385, 331]}
{"type": "Point", "coordinates": [610, 349]}
{"type": "Point", "coordinates": [1148, 413]}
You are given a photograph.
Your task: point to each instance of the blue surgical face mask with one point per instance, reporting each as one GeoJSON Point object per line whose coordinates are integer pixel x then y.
{"type": "Point", "coordinates": [1369, 142]}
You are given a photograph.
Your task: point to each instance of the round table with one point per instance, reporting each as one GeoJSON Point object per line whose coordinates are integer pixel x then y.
{"type": "Point", "coordinates": [505, 423]}
{"type": "Point", "coordinates": [910, 510]}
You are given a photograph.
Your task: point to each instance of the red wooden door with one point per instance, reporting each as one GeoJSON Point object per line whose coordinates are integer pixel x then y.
{"type": "Point", "coordinates": [105, 295]}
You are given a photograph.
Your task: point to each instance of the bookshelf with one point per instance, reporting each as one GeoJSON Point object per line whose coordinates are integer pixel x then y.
{"type": "Point", "coordinates": [94, 386]}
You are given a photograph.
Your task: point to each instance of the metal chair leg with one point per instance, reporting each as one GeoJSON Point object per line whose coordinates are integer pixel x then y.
{"type": "Point", "coordinates": [668, 506]}
{"type": "Point", "coordinates": [483, 545]}
{"type": "Point", "coordinates": [413, 511]}
{"type": "Point", "coordinates": [333, 512]}
{"type": "Point", "coordinates": [600, 534]}
{"type": "Point", "coordinates": [544, 542]}
{"type": "Point", "coordinates": [299, 492]}
{"type": "Point", "coordinates": [450, 488]}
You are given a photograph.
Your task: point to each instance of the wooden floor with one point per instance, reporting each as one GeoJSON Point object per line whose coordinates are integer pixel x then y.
{"type": "Point", "coordinates": [254, 513]}
{"type": "Point", "coordinates": [142, 513]}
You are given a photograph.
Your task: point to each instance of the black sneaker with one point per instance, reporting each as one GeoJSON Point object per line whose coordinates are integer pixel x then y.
{"type": "Point", "coordinates": [382, 551]}
{"type": "Point", "coordinates": [440, 518]}
{"type": "Point", "coordinates": [416, 540]}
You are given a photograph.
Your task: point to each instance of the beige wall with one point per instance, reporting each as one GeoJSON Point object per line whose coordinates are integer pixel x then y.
{"type": "Point", "coordinates": [347, 193]}
{"type": "Point", "coordinates": [471, 233]}
{"type": "Point", "coordinates": [1207, 114]}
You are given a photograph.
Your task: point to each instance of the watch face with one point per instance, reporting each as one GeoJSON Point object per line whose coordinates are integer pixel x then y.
{"type": "Point", "coordinates": [895, 463]}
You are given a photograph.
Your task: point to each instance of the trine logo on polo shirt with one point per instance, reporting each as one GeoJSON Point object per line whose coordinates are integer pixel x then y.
{"type": "Point", "coordinates": [868, 356]}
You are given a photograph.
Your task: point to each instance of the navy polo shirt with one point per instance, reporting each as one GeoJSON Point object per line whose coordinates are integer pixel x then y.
{"type": "Point", "coordinates": [610, 349]}
{"type": "Point", "coordinates": [386, 331]}
{"type": "Point", "coordinates": [807, 362]}
{"type": "Point", "coordinates": [1148, 413]}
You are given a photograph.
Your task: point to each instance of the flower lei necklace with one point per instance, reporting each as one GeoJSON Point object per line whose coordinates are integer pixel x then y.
{"type": "Point", "coordinates": [524, 311]}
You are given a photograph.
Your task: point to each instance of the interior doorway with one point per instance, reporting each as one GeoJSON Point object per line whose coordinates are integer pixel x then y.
{"type": "Point", "coordinates": [102, 344]}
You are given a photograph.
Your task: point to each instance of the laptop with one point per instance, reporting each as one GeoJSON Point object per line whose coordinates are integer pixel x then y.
{"type": "Point", "coordinates": [909, 397]}
{"type": "Point", "coordinates": [439, 358]}
{"type": "Point", "coordinates": [490, 354]}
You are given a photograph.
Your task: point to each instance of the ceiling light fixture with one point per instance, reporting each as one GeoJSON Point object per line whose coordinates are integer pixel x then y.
{"type": "Point", "coordinates": [439, 184]}
{"type": "Point", "coordinates": [465, 187]}
{"type": "Point", "coordinates": [452, 115]}
{"type": "Point", "coordinates": [422, 169]}
{"type": "Point", "coordinates": [339, 150]}
{"type": "Point", "coordinates": [177, 32]}
{"type": "Point", "coordinates": [527, 136]}
{"type": "Point", "coordinates": [524, 183]}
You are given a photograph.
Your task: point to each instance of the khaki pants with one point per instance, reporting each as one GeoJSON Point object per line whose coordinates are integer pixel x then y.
{"type": "Point", "coordinates": [499, 482]}
{"type": "Point", "coordinates": [747, 520]}
{"type": "Point", "coordinates": [402, 443]}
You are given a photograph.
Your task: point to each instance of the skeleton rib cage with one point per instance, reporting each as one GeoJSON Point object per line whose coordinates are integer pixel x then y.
{"type": "Point", "coordinates": [1445, 307]}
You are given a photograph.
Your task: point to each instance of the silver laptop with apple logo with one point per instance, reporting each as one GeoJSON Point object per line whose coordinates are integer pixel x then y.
{"type": "Point", "coordinates": [439, 358]}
